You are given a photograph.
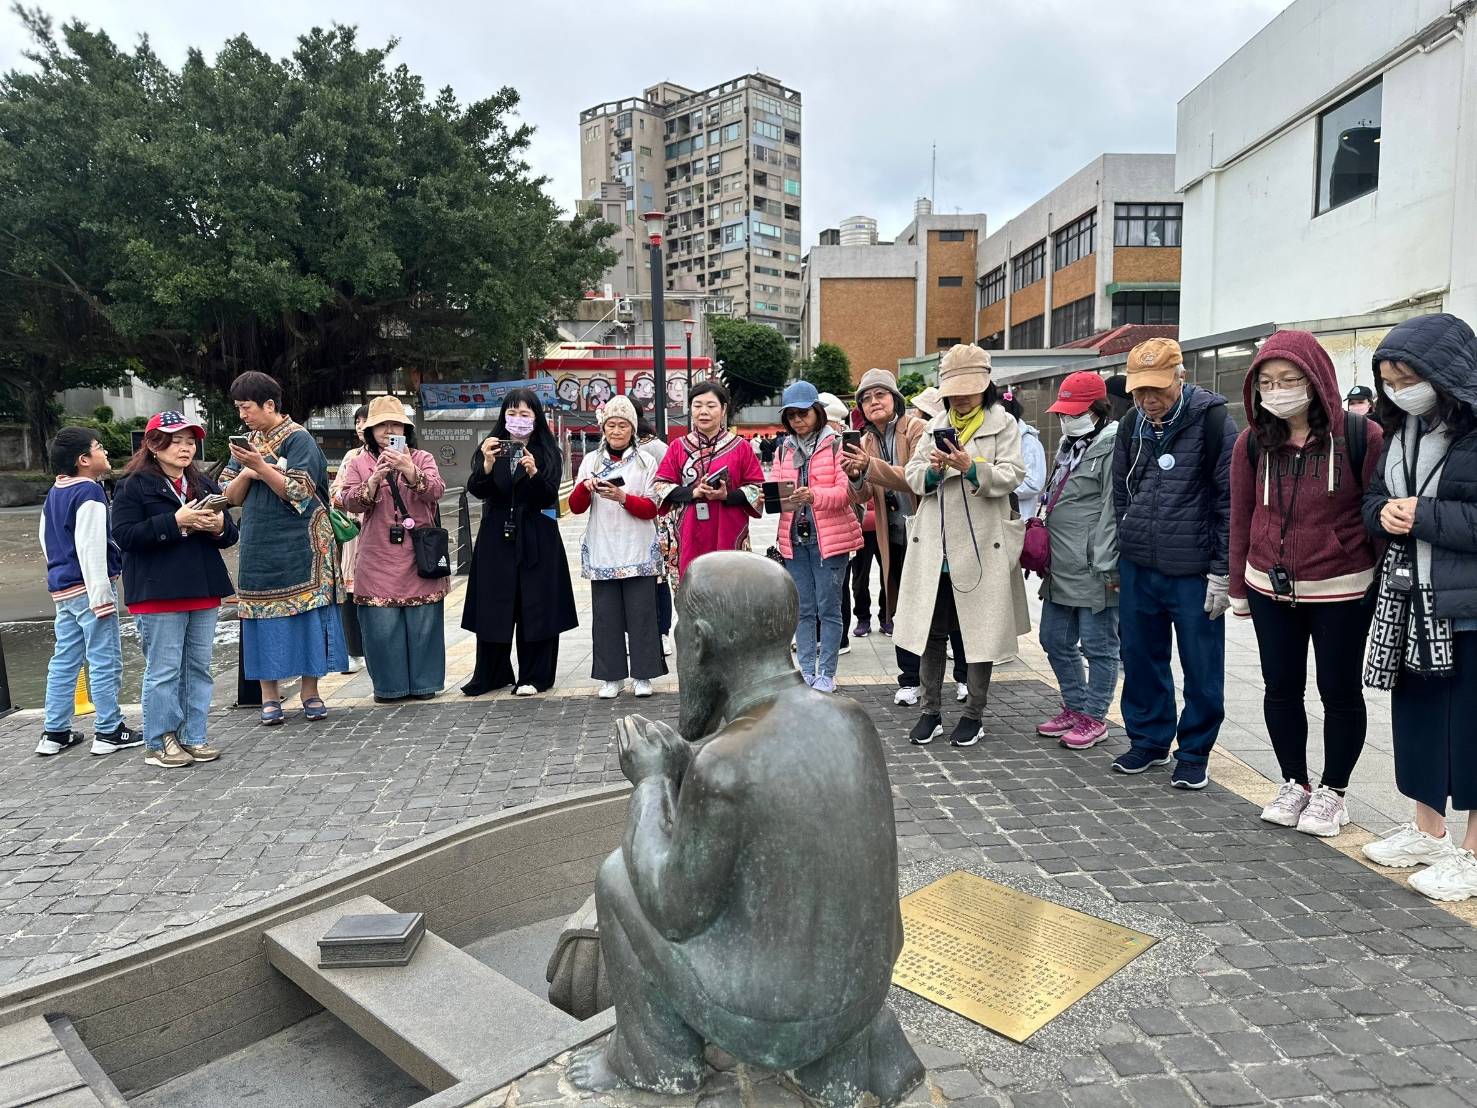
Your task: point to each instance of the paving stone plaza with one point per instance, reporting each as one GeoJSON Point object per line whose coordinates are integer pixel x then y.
{"type": "Point", "coordinates": [1287, 970]}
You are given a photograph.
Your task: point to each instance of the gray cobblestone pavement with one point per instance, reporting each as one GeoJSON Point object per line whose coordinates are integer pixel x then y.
{"type": "Point", "coordinates": [1326, 982]}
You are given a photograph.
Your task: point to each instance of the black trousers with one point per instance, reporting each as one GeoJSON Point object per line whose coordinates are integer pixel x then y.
{"type": "Point", "coordinates": [349, 616]}
{"type": "Point", "coordinates": [908, 663]}
{"type": "Point", "coordinates": [664, 605]}
{"type": "Point", "coordinates": [976, 675]}
{"type": "Point", "coordinates": [538, 660]}
{"type": "Point", "coordinates": [621, 613]}
{"type": "Point", "coordinates": [1337, 632]}
{"type": "Point", "coordinates": [1435, 739]}
{"type": "Point", "coordinates": [861, 580]}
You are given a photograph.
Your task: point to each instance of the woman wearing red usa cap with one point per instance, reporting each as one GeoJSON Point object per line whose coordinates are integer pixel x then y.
{"type": "Point", "coordinates": [173, 582]}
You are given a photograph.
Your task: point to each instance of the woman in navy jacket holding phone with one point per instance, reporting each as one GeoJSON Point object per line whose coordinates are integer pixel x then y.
{"type": "Point", "coordinates": [173, 582]}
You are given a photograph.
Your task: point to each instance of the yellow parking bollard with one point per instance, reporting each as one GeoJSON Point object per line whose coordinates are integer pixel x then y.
{"type": "Point", "coordinates": [82, 700]}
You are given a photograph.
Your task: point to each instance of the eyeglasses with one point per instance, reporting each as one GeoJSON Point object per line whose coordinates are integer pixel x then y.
{"type": "Point", "coordinates": [1265, 385]}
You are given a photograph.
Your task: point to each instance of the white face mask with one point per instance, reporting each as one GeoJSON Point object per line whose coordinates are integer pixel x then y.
{"type": "Point", "coordinates": [1285, 403]}
{"type": "Point", "coordinates": [1075, 426]}
{"type": "Point", "coordinates": [1418, 399]}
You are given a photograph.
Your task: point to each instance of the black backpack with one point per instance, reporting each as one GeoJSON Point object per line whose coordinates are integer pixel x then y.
{"type": "Point", "coordinates": [1356, 443]}
{"type": "Point", "coordinates": [1215, 436]}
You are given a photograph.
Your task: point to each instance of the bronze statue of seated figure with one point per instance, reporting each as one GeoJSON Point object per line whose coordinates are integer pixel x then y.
{"type": "Point", "coordinates": [754, 904]}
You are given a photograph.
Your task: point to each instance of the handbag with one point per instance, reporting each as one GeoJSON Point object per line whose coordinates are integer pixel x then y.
{"type": "Point", "coordinates": [430, 545]}
{"type": "Point", "coordinates": [345, 529]}
{"type": "Point", "coordinates": [1036, 549]}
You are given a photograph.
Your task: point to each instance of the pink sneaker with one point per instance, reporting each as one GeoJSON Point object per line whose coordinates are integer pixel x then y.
{"type": "Point", "coordinates": [1058, 725]}
{"type": "Point", "coordinates": [1087, 732]}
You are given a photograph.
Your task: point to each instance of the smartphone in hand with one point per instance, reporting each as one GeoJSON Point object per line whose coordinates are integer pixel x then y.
{"type": "Point", "coordinates": [713, 480]}
{"type": "Point", "coordinates": [240, 440]}
{"type": "Point", "coordinates": [852, 439]}
{"type": "Point", "coordinates": [396, 443]}
{"type": "Point", "coordinates": [776, 493]}
{"type": "Point", "coordinates": [946, 439]}
{"type": "Point", "coordinates": [614, 482]}
{"type": "Point", "coordinates": [214, 502]}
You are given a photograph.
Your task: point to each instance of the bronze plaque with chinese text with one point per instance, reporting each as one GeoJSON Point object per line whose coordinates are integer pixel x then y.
{"type": "Point", "coordinates": [1002, 958]}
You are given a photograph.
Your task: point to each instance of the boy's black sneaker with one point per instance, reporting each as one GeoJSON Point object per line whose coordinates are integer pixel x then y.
{"type": "Point", "coordinates": [928, 728]}
{"type": "Point", "coordinates": [967, 732]}
{"type": "Point", "coordinates": [54, 742]}
{"type": "Point", "coordinates": [106, 742]}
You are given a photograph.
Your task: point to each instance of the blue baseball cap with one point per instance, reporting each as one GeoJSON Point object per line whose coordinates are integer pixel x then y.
{"type": "Point", "coordinates": [799, 395]}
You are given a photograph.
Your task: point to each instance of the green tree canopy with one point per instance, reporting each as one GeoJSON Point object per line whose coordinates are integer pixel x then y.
{"type": "Point", "coordinates": [756, 359]}
{"type": "Point", "coordinates": [911, 384]}
{"type": "Point", "coordinates": [829, 369]}
{"type": "Point", "coordinates": [319, 217]}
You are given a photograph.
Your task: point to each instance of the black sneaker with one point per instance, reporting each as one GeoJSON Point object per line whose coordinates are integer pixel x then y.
{"type": "Point", "coordinates": [54, 742]}
{"type": "Point", "coordinates": [967, 732]}
{"type": "Point", "coordinates": [106, 742]}
{"type": "Point", "coordinates": [928, 728]}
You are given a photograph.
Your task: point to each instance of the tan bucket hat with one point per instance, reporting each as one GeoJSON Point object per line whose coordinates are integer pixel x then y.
{"type": "Point", "coordinates": [964, 370]}
{"type": "Point", "coordinates": [387, 409]}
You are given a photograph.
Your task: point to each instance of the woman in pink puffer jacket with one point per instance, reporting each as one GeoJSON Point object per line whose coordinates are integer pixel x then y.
{"type": "Point", "coordinates": [818, 529]}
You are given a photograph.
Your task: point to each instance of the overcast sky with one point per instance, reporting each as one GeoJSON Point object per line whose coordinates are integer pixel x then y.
{"type": "Point", "coordinates": [1018, 94]}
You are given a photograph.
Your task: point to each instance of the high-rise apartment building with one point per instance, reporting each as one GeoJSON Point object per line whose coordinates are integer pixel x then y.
{"type": "Point", "coordinates": [723, 165]}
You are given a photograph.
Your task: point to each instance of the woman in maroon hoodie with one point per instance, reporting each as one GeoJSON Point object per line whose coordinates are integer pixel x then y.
{"type": "Point", "coordinates": [1302, 564]}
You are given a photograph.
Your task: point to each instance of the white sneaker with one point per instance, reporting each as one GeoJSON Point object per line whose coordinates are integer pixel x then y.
{"type": "Point", "coordinates": [908, 695]}
{"type": "Point", "coordinates": [608, 691]}
{"type": "Point", "coordinates": [525, 690]}
{"type": "Point", "coordinates": [844, 648]}
{"type": "Point", "coordinates": [353, 666]}
{"type": "Point", "coordinates": [1406, 846]}
{"type": "Point", "coordinates": [641, 688]}
{"type": "Point", "coordinates": [1325, 815]}
{"type": "Point", "coordinates": [961, 691]}
{"type": "Point", "coordinates": [1452, 878]}
{"type": "Point", "coordinates": [1287, 805]}
{"type": "Point", "coordinates": [666, 646]}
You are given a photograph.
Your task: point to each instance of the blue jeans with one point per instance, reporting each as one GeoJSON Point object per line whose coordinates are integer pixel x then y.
{"type": "Point", "coordinates": [1068, 635]}
{"type": "Point", "coordinates": [82, 637]}
{"type": "Point", "coordinates": [818, 581]}
{"type": "Point", "coordinates": [1153, 609]}
{"type": "Point", "coordinates": [177, 681]}
{"type": "Point", "coordinates": [404, 648]}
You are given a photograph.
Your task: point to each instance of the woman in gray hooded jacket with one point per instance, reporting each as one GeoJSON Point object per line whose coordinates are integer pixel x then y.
{"type": "Point", "coordinates": [1079, 613]}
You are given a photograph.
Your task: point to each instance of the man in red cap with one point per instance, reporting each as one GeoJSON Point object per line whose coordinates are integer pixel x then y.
{"type": "Point", "coordinates": [1079, 591]}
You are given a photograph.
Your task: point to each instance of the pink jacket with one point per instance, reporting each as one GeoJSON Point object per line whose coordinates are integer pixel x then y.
{"type": "Point", "coordinates": [835, 518]}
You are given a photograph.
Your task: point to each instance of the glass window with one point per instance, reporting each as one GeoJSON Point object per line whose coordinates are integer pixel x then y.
{"type": "Point", "coordinates": [1072, 321]}
{"type": "Point", "coordinates": [951, 282]}
{"type": "Point", "coordinates": [1147, 224]}
{"type": "Point", "coordinates": [1029, 335]}
{"type": "Point", "coordinates": [952, 340]}
{"type": "Point", "coordinates": [768, 130]}
{"type": "Point", "coordinates": [1146, 307]}
{"type": "Point", "coordinates": [732, 131]}
{"type": "Point", "coordinates": [792, 187]}
{"type": "Point", "coordinates": [1028, 267]}
{"type": "Point", "coordinates": [1349, 148]}
{"type": "Point", "coordinates": [992, 287]}
{"type": "Point", "coordinates": [951, 236]}
{"type": "Point", "coordinates": [1074, 241]}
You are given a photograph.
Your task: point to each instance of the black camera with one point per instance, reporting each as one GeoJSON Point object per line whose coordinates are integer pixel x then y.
{"type": "Point", "coordinates": [510, 529]}
{"type": "Point", "coordinates": [1402, 573]}
{"type": "Point", "coordinates": [890, 499]}
{"type": "Point", "coordinates": [397, 534]}
{"type": "Point", "coordinates": [1281, 580]}
{"type": "Point", "coordinates": [803, 530]}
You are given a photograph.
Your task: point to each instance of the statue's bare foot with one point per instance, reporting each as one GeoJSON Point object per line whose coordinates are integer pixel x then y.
{"type": "Point", "coordinates": [591, 1070]}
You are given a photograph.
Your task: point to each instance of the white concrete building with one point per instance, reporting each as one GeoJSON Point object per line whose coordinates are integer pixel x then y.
{"type": "Point", "coordinates": [1329, 174]}
{"type": "Point", "coordinates": [1100, 250]}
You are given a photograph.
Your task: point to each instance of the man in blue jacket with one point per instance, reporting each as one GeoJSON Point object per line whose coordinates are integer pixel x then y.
{"type": "Point", "coordinates": [1172, 494]}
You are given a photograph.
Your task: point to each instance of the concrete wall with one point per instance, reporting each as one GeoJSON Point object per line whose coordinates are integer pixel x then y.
{"type": "Point", "coordinates": [165, 1007]}
{"type": "Point", "coordinates": [871, 318]}
{"type": "Point", "coordinates": [1254, 251]}
{"type": "Point", "coordinates": [949, 312]}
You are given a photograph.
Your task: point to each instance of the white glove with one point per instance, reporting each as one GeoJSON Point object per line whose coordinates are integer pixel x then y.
{"type": "Point", "coordinates": [1217, 594]}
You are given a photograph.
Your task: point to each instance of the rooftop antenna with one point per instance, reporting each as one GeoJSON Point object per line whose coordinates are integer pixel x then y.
{"type": "Point", "coordinates": [933, 183]}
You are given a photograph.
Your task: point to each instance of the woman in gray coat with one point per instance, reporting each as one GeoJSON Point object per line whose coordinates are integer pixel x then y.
{"type": "Point", "coordinates": [1079, 612]}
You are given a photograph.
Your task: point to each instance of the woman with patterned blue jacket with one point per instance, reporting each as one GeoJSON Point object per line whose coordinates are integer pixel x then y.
{"type": "Point", "coordinates": [620, 555]}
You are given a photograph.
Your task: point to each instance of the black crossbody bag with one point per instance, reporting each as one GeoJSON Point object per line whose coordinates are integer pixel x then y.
{"type": "Point", "coordinates": [431, 545]}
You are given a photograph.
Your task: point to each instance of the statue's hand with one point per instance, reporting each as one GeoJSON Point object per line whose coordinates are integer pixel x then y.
{"type": "Point", "coordinates": [650, 749]}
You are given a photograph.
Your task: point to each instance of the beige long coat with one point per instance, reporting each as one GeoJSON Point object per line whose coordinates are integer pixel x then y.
{"type": "Point", "coordinates": [989, 594]}
{"type": "Point", "coordinates": [881, 477]}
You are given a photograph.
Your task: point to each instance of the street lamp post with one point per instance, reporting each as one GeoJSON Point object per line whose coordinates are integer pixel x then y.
{"type": "Point", "coordinates": [654, 225]}
{"type": "Point", "coordinates": [687, 326]}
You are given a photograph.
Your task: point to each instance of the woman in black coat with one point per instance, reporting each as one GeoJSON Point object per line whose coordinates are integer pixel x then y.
{"type": "Point", "coordinates": [519, 588]}
{"type": "Point", "coordinates": [174, 580]}
{"type": "Point", "coordinates": [1422, 498]}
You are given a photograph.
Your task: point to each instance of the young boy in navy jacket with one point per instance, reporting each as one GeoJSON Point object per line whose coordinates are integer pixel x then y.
{"type": "Point", "coordinates": [82, 564]}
